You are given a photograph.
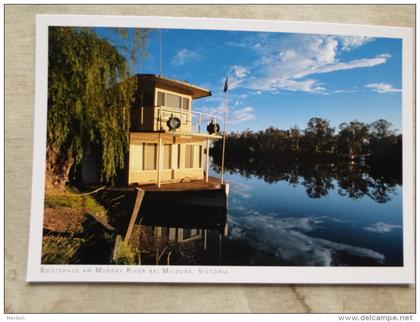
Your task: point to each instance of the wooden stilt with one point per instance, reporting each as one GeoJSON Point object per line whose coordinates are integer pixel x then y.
{"type": "Point", "coordinates": [205, 239]}
{"type": "Point", "coordinates": [116, 248]}
{"type": "Point", "coordinates": [226, 231]}
{"type": "Point", "coordinates": [139, 200]}
{"type": "Point", "coordinates": [220, 249]}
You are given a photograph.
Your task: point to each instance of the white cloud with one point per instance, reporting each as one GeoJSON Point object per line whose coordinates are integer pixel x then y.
{"type": "Point", "coordinates": [240, 71]}
{"type": "Point", "coordinates": [328, 68]}
{"type": "Point", "coordinates": [274, 84]}
{"type": "Point", "coordinates": [345, 91]}
{"type": "Point", "coordinates": [237, 76]}
{"type": "Point", "coordinates": [185, 56]}
{"type": "Point", "coordinates": [237, 44]}
{"type": "Point", "coordinates": [351, 42]}
{"type": "Point", "coordinates": [218, 110]}
{"type": "Point", "coordinates": [291, 62]}
{"type": "Point", "coordinates": [241, 115]}
{"type": "Point", "coordinates": [235, 82]}
{"type": "Point", "coordinates": [383, 88]}
{"type": "Point", "coordinates": [236, 113]}
{"type": "Point", "coordinates": [381, 227]}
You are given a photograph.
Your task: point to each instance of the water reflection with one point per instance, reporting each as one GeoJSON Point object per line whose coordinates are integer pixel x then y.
{"type": "Point", "coordinates": [186, 235]}
{"type": "Point", "coordinates": [354, 179]}
{"type": "Point", "coordinates": [172, 228]}
{"type": "Point", "coordinates": [291, 242]}
{"type": "Point", "coordinates": [331, 214]}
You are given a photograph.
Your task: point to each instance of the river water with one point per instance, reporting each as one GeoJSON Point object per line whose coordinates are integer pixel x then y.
{"type": "Point", "coordinates": [317, 215]}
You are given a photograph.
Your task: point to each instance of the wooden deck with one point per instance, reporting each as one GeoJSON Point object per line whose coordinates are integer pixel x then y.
{"type": "Point", "coordinates": [213, 184]}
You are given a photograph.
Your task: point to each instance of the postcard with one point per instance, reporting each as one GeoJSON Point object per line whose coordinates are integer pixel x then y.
{"type": "Point", "coordinates": [222, 151]}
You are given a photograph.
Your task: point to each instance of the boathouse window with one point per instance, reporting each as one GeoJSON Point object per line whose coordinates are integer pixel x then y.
{"type": "Point", "coordinates": [161, 99]}
{"type": "Point", "coordinates": [171, 100]}
{"type": "Point", "coordinates": [185, 103]}
{"type": "Point", "coordinates": [167, 155]}
{"type": "Point", "coordinates": [149, 160]}
{"type": "Point", "coordinates": [189, 156]}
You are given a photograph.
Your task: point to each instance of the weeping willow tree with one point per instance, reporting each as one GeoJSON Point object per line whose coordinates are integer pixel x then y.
{"type": "Point", "coordinates": [89, 98]}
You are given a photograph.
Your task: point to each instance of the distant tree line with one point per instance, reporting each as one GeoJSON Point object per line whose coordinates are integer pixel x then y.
{"type": "Point", "coordinates": [318, 142]}
{"type": "Point", "coordinates": [359, 159]}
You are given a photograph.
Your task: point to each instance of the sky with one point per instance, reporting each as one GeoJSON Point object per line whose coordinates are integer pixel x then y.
{"type": "Point", "coordinates": [282, 79]}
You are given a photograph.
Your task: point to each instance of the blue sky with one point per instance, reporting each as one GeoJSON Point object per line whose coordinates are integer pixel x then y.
{"type": "Point", "coordinates": [284, 79]}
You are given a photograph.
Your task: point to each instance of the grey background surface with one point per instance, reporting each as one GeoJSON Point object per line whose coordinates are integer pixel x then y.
{"type": "Point", "coordinates": [101, 298]}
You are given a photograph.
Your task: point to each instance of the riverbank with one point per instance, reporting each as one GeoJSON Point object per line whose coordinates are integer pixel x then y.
{"type": "Point", "coordinates": [75, 229]}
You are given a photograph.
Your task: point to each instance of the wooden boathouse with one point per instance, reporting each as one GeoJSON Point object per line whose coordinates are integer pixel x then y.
{"type": "Point", "coordinates": [169, 142]}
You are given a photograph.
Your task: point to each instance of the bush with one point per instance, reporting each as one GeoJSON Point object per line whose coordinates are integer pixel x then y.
{"type": "Point", "coordinates": [126, 256]}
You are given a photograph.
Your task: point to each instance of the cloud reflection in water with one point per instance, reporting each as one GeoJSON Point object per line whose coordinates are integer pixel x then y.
{"type": "Point", "coordinates": [288, 240]}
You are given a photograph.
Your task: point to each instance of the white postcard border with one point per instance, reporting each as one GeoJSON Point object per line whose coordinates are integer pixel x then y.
{"type": "Point", "coordinates": [36, 272]}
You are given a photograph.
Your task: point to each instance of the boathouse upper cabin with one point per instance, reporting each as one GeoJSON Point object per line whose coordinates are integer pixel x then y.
{"type": "Point", "coordinates": [169, 142]}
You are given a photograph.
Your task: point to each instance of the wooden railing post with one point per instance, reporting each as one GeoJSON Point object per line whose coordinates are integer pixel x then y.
{"type": "Point", "coordinates": [160, 117]}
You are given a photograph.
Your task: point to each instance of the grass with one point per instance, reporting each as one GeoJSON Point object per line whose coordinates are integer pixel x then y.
{"type": "Point", "coordinates": [96, 208]}
{"type": "Point", "coordinates": [60, 250]}
{"type": "Point", "coordinates": [64, 200]}
{"type": "Point", "coordinates": [126, 256]}
{"type": "Point", "coordinates": [73, 199]}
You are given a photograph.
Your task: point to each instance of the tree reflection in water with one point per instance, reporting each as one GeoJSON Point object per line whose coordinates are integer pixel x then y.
{"type": "Point", "coordinates": [353, 179]}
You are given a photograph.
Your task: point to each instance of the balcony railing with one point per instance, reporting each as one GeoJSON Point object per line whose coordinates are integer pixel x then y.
{"type": "Point", "coordinates": [191, 121]}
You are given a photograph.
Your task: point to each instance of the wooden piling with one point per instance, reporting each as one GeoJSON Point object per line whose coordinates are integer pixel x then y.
{"type": "Point", "coordinates": [136, 210]}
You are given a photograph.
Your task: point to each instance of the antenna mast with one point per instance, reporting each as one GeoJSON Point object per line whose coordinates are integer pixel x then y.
{"type": "Point", "coordinates": [225, 90]}
{"type": "Point", "coordinates": [160, 50]}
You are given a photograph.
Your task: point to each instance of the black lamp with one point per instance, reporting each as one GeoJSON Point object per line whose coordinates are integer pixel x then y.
{"type": "Point", "coordinates": [213, 127]}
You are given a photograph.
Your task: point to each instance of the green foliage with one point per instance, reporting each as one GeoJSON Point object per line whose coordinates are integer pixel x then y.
{"type": "Point", "coordinates": [89, 97]}
{"type": "Point", "coordinates": [381, 129]}
{"type": "Point", "coordinates": [93, 206]}
{"type": "Point", "coordinates": [319, 133]}
{"type": "Point", "coordinates": [126, 256]}
{"type": "Point", "coordinates": [353, 138]}
{"type": "Point", "coordinates": [134, 42]}
{"type": "Point", "coordinates": [318, 140]}
{"type": "Point", "coordinates": [295, 134]}
{"type": "Point", "coordinates": [60, 250]}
